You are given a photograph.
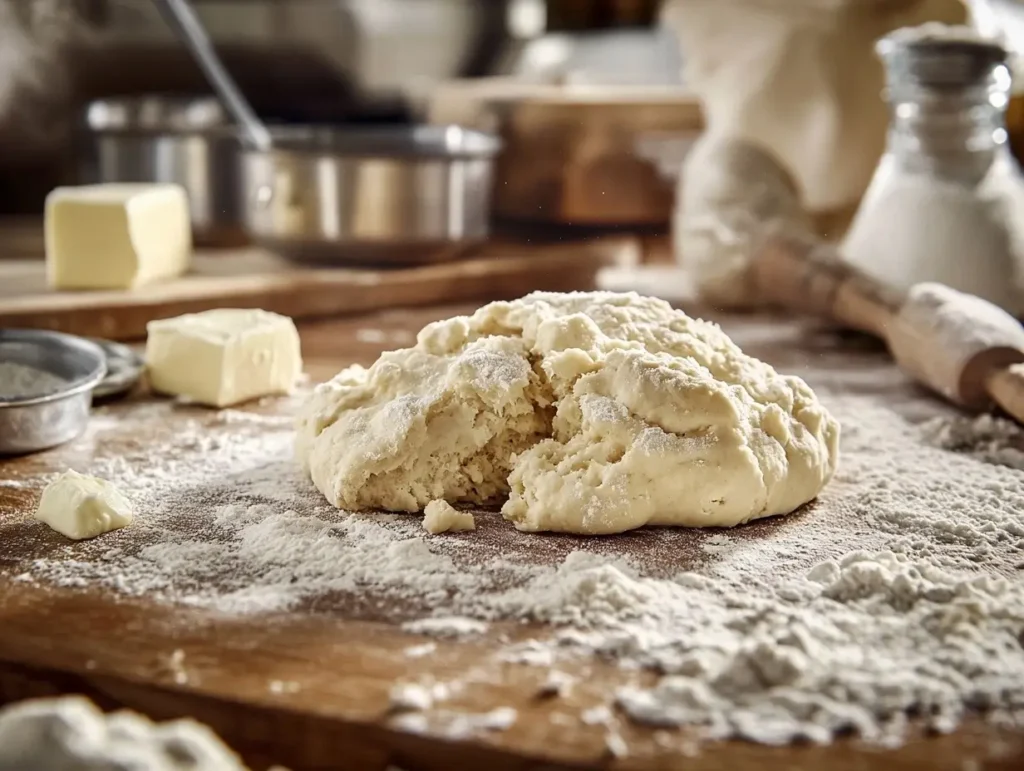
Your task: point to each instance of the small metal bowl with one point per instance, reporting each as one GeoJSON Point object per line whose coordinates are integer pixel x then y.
{"type": "Point", "coordinates": [39, 421]}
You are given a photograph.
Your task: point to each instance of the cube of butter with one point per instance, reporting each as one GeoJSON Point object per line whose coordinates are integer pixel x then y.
{"type": "Point", "coordinates": [80, 506]}
{"type": "Point", "coordinates": [223, 357]}
{"type": "Point", "coordinates": [116, 236]}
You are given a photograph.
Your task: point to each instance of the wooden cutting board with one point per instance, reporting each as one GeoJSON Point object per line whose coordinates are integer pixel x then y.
{"type": "Point", "coordinates": [339, 658]}
{"type": "Point", "coordinates": [253, 278]}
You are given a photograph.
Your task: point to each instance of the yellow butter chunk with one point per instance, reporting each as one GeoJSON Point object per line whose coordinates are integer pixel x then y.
{"type": "Point", "coordinates": [116, 236]}
{"type": "Point", "coordinates": [223, 357]}
{"type": "Point", "coordinates": [80, 506]}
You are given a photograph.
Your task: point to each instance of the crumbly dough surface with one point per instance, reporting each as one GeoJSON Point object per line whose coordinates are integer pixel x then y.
{"type": "Point", "coordinates": [587, 413]}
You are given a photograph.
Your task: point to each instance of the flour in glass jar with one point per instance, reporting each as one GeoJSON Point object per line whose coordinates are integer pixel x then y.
{"type": "Point", "coordinates": [898, 593]}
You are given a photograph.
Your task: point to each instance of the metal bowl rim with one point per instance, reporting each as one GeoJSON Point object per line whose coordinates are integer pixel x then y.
{"type": "Point", "coordinates": [108, 126]}
{"type": "Point", "coordinates": [83, 384]}
{"type": "Point", "coordinates": [410, 143]}
{"type": "Point", "coordinates": [421, 140]}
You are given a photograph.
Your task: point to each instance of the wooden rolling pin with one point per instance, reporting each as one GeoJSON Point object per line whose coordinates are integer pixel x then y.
{"type": "Point", "coordinates": [964, 348]}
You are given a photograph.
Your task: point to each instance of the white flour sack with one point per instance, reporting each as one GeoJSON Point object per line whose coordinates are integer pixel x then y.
{"type": "Point", "coordinates": [801, 78]}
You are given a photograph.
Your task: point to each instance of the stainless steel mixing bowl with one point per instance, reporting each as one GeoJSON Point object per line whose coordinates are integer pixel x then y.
{"type": "Point", "coordinates": [184, 140]}
{"type": "Point", "coordinates": [388, 194]}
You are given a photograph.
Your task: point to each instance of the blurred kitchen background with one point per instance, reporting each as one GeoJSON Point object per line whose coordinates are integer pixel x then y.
{"type": "Point", "coordinates": [298, 61]}
{"type": "Point", "coordinates": [597, 102]}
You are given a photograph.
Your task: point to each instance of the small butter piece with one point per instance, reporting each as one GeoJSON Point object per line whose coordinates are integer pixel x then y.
{"type": "Point", "coordinates": [116, 236]}
{"type": "Point", "coordinates": [223, 357]}
{"type": "Point", "coordinates": [441, 517]}
{"type": "Point", "coordinates": [80, 506]}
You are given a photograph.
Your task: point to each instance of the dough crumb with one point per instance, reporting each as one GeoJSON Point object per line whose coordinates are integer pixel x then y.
{"type": "Point", "coordinates": [441, 517]}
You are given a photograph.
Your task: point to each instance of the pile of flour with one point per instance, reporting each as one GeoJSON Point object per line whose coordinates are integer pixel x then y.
{"type": "Point", "coordinates": [71, 734]}
{"type": "Point", "coordinates": [986, 437]}
{"type": "Point", "coordinates": [898, 592]}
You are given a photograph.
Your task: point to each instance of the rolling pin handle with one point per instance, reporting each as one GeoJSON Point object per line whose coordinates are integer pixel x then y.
{"type": "Point", "coordinates": [800, 273]}
{"type": "Point", "coordinates": [1006, 387]}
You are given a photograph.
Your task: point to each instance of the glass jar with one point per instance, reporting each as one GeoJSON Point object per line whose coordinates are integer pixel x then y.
{"type": "Point", "coordinates": [945, 201]}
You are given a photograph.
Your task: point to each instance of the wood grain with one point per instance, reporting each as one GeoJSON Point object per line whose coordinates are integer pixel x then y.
{"type": "Point", "coordinates": [118, 650]}
{"type": "Point", "coordinates": [252, 278]}
{"type": "Point", "coordinates": [338, 717]}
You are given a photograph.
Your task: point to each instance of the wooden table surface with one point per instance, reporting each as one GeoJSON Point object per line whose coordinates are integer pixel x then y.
{"type": "Point", "coordinates": [115, 649]}
{"type": "Point", "coordinates": [250, 277]}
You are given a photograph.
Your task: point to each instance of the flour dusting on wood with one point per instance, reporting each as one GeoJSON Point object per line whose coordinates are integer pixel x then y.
{"type": "Point", "coordinates": [898, 592]}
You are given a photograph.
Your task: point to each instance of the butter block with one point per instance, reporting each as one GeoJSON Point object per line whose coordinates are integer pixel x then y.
{"type": "Point", "coordinates": [116, 236]}
{"type": "Point", "coordinates": [223, 357]}
{"type": "Point", "coordinates": [80, 506]}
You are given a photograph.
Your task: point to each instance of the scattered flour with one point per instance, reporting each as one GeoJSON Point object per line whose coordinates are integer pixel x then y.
{"type": "Point", "coordinates": [716, 544]}
{"type": "Point", "coordinates": [988, 438]}
{"type": "Point", "coordinates": [600, 715]}
{"type": "Point", "coordinates": [411, 697]}
{"type": "Point", "coordinates": [455, 725]}
{"type": "Point", "coordinates": [616, 745]}
{"type": "Point", "coordinates": [176, 665]}
{"type": "Point", "coordinates": [283, 686]}
{"type": "Point", "coordinates": [446, 626]}
{"type": "Point", "coordinates": [394, 337]}
{"type": "Point", "coordinates": [556, 684]}
{"type": "Point", "coordinates": [419, 651]}
{"type": "Point", "coordinates": [71, 734]}
{"type": "Point", "coordinates": [369, 335]}
{"type": "Point", "coordinates": [898, 593]}
{"type": "Point", "coordinates": [531, 652]}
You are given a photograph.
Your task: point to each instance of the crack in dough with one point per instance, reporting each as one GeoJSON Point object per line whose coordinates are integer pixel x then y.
{"type": "Point", "coordinates": [587, 413]}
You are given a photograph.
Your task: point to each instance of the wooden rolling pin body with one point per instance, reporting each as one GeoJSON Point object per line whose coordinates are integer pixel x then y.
{"type": "Point", "coordinates": [964, 348]}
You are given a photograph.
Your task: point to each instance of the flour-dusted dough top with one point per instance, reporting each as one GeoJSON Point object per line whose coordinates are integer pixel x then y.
{"type": "Point", "coordinates": [593, 412]}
